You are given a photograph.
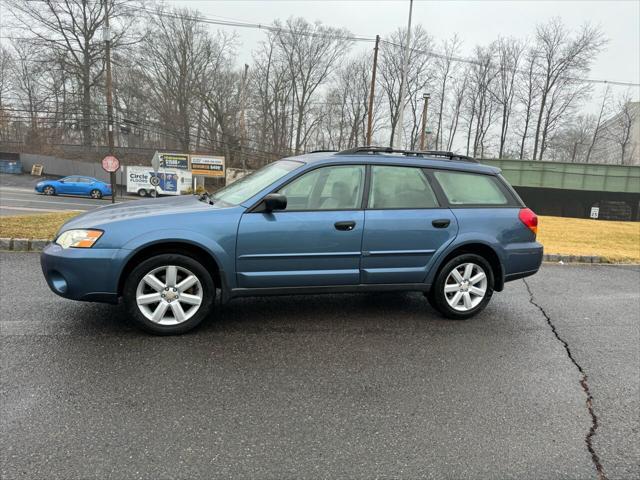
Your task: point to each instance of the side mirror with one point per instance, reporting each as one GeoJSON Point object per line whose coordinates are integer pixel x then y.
{"type": "Point", "coordinates": [274, 201]}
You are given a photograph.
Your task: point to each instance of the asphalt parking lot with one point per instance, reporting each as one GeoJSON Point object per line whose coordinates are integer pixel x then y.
{"type": "Point", "coordinates": [17, 197]}
{"type": "Point", "coordinates": [349, 386]}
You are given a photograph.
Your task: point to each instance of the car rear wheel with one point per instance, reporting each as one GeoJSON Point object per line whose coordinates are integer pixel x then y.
{"type": "Point", "coordinates": [49, 190]}
{"type": "Point", "coordinates": [95, 193]}
{"type": "Point", "coordinates": [463, 287]}
{"type": "Point", "coordinates": [169, 294]}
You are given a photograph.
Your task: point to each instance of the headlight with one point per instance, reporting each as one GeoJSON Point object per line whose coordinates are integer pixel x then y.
{"type": "Point", "coordinates": [78, 238]}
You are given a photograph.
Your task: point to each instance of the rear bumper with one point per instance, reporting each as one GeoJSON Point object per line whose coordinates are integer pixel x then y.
{"type": "Point", "coordinates": [81, 274]}
{"type": "Point", "coordinates": [522, 260]}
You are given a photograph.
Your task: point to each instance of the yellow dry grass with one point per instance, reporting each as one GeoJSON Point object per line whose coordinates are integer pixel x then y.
{"type": "Point", "coordinates": [613, 241]}
{"type": "Point", "coordinates": [33, 226]}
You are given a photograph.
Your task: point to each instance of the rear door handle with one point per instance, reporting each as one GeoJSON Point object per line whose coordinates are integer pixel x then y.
{"type": "Point", "coordinates": [345, 226]}
{"type": "Point", "coordinates": [441, 223]}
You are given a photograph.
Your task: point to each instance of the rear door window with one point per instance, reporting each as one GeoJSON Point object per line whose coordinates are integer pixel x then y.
{"type": "Point", "coordinates": [464, 188]}
{"type": "Point", "coordinates": [400, 187]}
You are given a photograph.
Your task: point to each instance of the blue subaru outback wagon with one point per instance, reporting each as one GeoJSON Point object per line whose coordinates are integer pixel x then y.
{"type": "Point", "coordinates": [366, 219]}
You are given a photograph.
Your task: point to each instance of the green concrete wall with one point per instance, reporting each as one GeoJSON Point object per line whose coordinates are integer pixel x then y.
{"type": "Point", "coordinates": [570, 176]}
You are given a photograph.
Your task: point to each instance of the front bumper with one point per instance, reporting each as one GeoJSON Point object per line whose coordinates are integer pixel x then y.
{"type": "Point", "coordinates": [87, 274]}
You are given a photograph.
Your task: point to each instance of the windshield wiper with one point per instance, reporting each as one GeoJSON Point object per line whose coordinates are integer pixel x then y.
{"type": "Point", "coordinates": [205, 197]}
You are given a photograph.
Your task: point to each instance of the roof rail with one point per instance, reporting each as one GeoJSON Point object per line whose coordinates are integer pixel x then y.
{"type": "Point", "coordinates": [416, 153]}
{"type": "Point", "coordinates": [322, 151]}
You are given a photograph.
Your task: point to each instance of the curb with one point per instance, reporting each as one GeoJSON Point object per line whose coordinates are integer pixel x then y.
{"type": "Point", "coordinates": [556, 258]}
{"type": "Point", "coordinates": [38, 244]}
{"type": "Point", "coordinates": [23, 244]}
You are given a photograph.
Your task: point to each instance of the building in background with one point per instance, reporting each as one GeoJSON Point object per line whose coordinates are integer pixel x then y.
{"type": "Point", "coordinates": [618, 132]}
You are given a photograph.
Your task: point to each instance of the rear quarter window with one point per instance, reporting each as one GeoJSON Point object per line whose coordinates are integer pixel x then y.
{"type": "Point", "coordinates": [464, 188]}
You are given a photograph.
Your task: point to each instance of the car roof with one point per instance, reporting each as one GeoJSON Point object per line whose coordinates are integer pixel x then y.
{"type": "Point", "coordinates": [384, 158]}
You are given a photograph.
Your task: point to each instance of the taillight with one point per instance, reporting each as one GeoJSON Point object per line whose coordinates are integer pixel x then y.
{"type": "Point", "coordinates": [530, 219]}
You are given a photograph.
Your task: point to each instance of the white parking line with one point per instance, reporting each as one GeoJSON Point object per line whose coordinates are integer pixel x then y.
{"type": "Point", "coordinates": [16, 189]}
{"type": "Point", "coordinates": [48, 202]}
{"type": "Point", "coordinates": [4, 207]}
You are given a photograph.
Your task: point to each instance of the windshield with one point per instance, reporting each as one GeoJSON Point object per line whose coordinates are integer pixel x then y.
{"type": "Point", "coordinates": [245, 188]}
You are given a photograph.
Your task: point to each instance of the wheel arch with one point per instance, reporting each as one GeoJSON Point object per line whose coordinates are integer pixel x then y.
{"type": "Point", "coordinates": [485, 250]}
{"type": "Point", "coordinates": [182, 247]}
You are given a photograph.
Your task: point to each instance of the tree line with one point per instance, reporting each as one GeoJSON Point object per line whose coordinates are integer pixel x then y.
{"type": "Point", "coordinates": [178, 86]}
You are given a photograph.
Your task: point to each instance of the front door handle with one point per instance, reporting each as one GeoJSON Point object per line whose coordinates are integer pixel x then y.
{"type": "Point", "coordinates": [441, 223]}
{"type": "Point", "coordinates": [345, 226]}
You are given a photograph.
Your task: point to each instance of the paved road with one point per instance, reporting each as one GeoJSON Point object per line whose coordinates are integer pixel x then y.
{"type": "Point", "coordinates": [17, 197]}
{"type": "Point", "coordinates": [352, 386]}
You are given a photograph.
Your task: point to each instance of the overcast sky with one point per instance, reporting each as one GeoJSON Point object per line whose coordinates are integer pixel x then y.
{"type": "Point", "coordinates": [476, 22]}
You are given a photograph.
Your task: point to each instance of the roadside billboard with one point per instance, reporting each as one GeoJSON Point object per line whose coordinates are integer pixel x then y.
{"type": "Point", "coordinates": [207, 166]}
{"type": "Point", "coordinates": [173, 160]}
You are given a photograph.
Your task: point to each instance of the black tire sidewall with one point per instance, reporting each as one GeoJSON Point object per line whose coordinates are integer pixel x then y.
{"type": "Point", "coordinates": [191, 264]}
{"type": "Point", "coordinates": [437, 296]}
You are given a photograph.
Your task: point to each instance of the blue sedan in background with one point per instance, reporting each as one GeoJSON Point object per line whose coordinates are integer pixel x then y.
{"type": "Point", "coordinates": [75, 185]}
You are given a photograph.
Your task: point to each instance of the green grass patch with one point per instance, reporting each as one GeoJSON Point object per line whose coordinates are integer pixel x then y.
{"type": "Point", "coordinates": [33, 226]}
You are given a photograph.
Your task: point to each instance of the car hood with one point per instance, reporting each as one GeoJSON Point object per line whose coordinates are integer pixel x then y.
{"type": "Point", "coordinates": [139, 208]}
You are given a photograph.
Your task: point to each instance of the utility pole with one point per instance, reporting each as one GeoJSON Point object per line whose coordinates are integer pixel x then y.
{"type": "Point", "coordinates": [425, 108]}
{"type": "Point", "coordinates": [403, 80]}
{"type": "Point", "coordinates": [372, 93]}
{"type": "Point", "coordinates": [107, 48]}
{"type": "Point", "coordinates": [243, 96]}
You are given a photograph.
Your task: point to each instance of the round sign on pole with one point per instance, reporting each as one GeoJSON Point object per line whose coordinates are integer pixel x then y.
{"type": "Point", "coordinates": [110, 164]}
{"type": "Point", "coordinates": [155, 181]}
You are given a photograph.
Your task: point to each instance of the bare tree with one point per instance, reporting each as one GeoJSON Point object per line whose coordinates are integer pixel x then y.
{"type": "Point", "coordinates": [178, 59]}
{"type": "Point", "coordinates": [481, 105]}
{"type": "Point", "coordinates": [72, 29]}
{"type": "Point", "coordinates": [459, 92]}
{"type": "Point", "coordinates": [312, 52]}
{"type": "Point", "coordinates": [390, 71]}
{"type": "Point", "coordinates": [509, 55]}
{"type": "Point", "coordinates": [6, 66]}
{"type": "Point", "coordinates": [604, 106]}
{"type": "Point", "coordinates": [445, 67]}
{"type": "Point", "coordinates": [562, 58]}
{"type": "Point", "coordinates": [571, 141]}
{"type": "Point", "coordinates": [624, 127]}
{"type": "Point", "coordinates": [527, 94]}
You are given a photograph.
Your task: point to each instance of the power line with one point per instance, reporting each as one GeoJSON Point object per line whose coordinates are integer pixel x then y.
{"type": "Point", "coordinates": [351, 37]}
{"type": "Point", "coordinates": [471, 61]}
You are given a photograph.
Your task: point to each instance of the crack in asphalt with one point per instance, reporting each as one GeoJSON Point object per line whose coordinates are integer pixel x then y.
{"type": "Point", "coordinates": [583, 383]}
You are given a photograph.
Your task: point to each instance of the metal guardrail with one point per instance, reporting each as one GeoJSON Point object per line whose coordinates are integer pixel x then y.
{"type": "Point", "coordinates": [570, 176]}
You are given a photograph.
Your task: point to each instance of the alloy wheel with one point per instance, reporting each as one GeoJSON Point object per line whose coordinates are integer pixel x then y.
{"type": "Point", "coordinates": [169, 295]}
{"type": "Point", "coordinates": [465, 287]}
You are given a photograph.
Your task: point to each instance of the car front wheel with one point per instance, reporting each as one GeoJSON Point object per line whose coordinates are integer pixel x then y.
{"type": "Point", "coordinates": [95, 193]}
{"type": "Point", "coordinates": [463, 287]}
{"type": "Point", "coordinates": [169, 294]}
{"type": "Point", "coordinates": [49, 190]}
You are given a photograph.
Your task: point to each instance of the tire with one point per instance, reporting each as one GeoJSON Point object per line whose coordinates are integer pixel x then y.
{"type": "Point", "coordinates": [142, 192]}
{"type": "Point", "coordinates": [140, 296]}
{"type": "Point", "coordinates": [95, 194]}
{"type": "Point", "coordinates": [469, 301]}
{"type": "Point", "coordinates": [49, 190]}
{"type": "Point", "coordinates": [153, 193]}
